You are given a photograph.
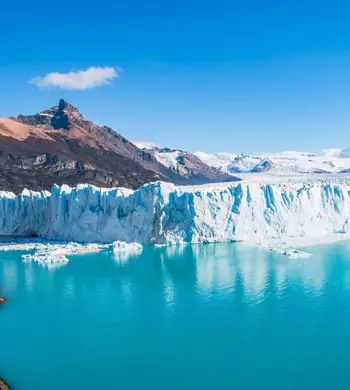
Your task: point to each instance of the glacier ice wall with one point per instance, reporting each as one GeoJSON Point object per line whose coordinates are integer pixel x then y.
{"type": "Point", "coordinates": [161, 213]}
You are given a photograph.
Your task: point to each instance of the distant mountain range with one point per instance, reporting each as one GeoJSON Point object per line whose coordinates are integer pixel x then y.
{"type": "Point", "coordinates": [330, 161]}
{"type": "Point", "coordinates": [59, 146]}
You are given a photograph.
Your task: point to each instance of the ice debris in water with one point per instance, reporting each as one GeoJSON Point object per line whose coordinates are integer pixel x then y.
{"type": "Point", "coordinates": [52, 255]}
{"type": "Point", "coordinates": [294, 253]}
{"type": "Point", "coordinates": [45, 258]}
{"type": "Point", "coordinates": [22, 246]}
{"type": "Point", "coordinates": [55, 254]}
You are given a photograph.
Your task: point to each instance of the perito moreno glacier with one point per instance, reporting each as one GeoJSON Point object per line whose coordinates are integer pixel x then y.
{"type": "Point", "coordinates": [161, 213]}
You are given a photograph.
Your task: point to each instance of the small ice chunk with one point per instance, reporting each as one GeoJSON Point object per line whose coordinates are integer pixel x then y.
{"type": "Point", "coordinates": [121, 246]}
{"type": "Point", "coordinates": [294, 253]}
{"type": "Point", "coordinates": [12, 246]}
{"type": "Point", "coordinates": [123, 251]}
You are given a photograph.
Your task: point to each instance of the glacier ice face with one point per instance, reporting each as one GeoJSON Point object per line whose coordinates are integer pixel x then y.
{"type": "Point", "coordinates": [161, 213]}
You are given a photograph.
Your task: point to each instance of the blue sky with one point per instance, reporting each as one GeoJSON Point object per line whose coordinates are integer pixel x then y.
{"type": "Point", "coordinates": [240, 76]}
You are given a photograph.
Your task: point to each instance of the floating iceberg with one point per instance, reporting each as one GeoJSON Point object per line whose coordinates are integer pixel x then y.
{"type": "Point", "coordinates": [121, 246]}
{"type": "Point", "coordinates": [123, 251]}
{"type": "Point", "coordinates": [161, 213]}
{"type": "Point", "coordinates": [47, 259]}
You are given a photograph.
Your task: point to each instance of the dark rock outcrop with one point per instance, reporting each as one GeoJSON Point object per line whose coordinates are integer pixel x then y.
{"type": "Point", "coordinates": [3, 385]}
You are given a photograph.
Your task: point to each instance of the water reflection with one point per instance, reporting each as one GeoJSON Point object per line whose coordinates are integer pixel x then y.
{"type": "Point", "coordinates": [210, 311]}
{"type": "Point", "coordinates": [224, 268]}
{"type": "Point", "coordinates": [168, 272]}
{"type": "Point", "coordinates": [122, 257]}
{"type": "Point", "coordinates": [221, 267]}
{"type": "Point", "coordinates": [215, 270]}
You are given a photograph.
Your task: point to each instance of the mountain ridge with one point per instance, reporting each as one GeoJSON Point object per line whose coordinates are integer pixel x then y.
{"type": "Point", "coordinates": [187, 164]}
{"type": "Point", "coordinates": [59, 146]}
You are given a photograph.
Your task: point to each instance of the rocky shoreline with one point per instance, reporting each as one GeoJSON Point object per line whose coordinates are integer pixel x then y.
{"type": "Point", "coordinates": [3, 385]}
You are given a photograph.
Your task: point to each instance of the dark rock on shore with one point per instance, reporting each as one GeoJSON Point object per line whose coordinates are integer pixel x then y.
{"type": "Point", "coordinates": [3, 385]}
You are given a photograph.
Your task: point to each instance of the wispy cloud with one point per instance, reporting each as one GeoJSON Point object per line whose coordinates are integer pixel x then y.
{"type": "Point", "coordinates": [80, 80]}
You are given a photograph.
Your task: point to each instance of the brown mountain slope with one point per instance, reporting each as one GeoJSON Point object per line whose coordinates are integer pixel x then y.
{"type": "Point", "coordinates": [68, 120]}
{"type": "Point", "coordinates": [58, 146]}
{"type": "Point", "coordinates": [36, 155]}
{"type": "Point", "coordinates": [39, 161]}
{"type": "Point", "coordinates": [13, 129]}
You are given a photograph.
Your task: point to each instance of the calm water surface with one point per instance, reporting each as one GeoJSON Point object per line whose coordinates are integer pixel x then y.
{"type": "Point", "coordinates": [201, 317]}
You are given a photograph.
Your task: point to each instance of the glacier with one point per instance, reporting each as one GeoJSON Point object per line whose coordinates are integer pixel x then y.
{"type": "Point", "coordinates": [162, 213]}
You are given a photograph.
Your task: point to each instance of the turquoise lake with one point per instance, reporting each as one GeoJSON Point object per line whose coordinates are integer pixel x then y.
{"type": "Point", "coordinates": [222, 316]}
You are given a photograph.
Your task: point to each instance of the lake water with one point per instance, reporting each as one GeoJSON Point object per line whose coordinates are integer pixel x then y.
{"type": "Point", "coordinates": [201, 317]}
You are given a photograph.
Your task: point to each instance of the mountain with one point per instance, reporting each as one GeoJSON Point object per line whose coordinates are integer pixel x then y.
{"type": "Point", "coordinates": [330, 161]}
{"type": "Point", "coordinates": [249, 164]}
{"type": "Point", "coordinates": [218, 160]}
{"type": "Point", "coordinates": [187, 165]}
{"type": "Point", "coordinates": [233, 164]}
{"type": "Point", "coordinates": [69, 121]}
{"type": "Point", "coordinates": [58, 146]}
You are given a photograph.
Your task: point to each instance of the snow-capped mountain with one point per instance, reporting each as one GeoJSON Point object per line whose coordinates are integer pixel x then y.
{"type": "Point", "coordinates": [336, 153]}
{"type": "Point", "coordinates": [217, 160]}
{"type": "Point", "coordinates": [186, 164]}
{"type": "Point", "coordinates": [249, 164]}
{"type": "Point", "coordinates": [285, 163]}
{"type": "Point", "coordinates": [234, 164]}
{"type": "Point", "coordinates": [329, 161]}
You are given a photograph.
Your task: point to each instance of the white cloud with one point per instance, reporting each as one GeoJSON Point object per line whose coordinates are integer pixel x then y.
{"type": "Point", "coordinates": [80, 80]}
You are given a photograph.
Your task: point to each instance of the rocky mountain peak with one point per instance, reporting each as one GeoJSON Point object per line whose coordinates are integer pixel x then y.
{"type": "Point", "coordinates": [67, 108]}
{"type": "Point", "coordinates": [61, 116]}
{"type": "Point", "coordinates": [62, 104]}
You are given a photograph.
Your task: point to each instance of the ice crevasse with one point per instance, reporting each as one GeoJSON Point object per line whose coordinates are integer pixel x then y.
{"type": "Point", "coordinates": [161, 213]}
